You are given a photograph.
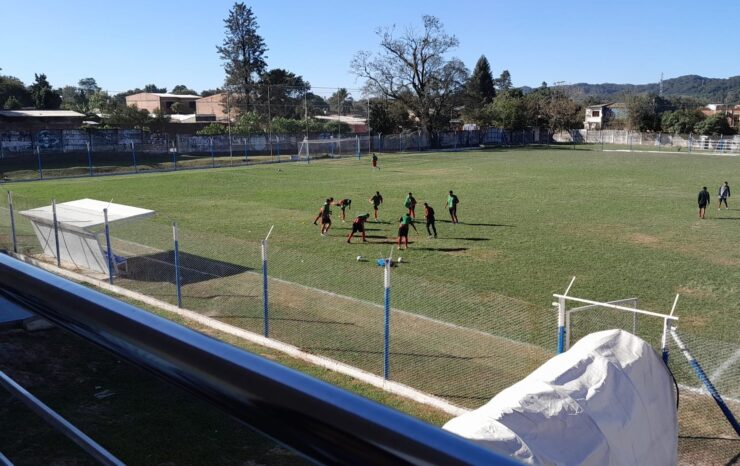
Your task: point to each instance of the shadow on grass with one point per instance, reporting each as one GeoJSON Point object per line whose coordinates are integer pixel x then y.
{"type": "Point", "coordinates": [282, 319]}
{"type": "Point", "coordinates": [727, 218]}
{"type": "Point", "coordinates": [479, 224]}
{"type": "Point", "coordinates": [443, 249]}
{"type": "Point", "coordinates": [160, 267]}
{"type": "Point", "coordinates": [472, 239]}
{"type": "Point", "coordinates": [394, 353]}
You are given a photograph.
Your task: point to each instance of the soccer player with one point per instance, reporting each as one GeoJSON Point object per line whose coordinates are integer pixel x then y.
{"type": "Point", "coordinates": [703, 201]}
{"type": "Point", "coordinates": [344, 204]}
{"type": "Point", "coordinates": [410, 203]}
{"type": "Point", "coordinates": [358, 226]}
{"type": "Point", "coordinates": [724, 193]}
{"type": "Point", "coordinates": [376, 200]}
{"type": "Point", "coordinates": [326, 205]}
{"type": "Point", "coordinates": [452, 202]}
{"type": "Point", "coordinates": [325, 218]}
{"type": "Point", "coordinates": [403, 230]}
{"type": "Point", "coordinates": [429, 215]}
{"type": "Point", "coordinates": [375, 161]}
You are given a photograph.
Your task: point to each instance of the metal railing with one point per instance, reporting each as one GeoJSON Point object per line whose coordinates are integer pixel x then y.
{"type": "Point", "coordinates": [318, 420]}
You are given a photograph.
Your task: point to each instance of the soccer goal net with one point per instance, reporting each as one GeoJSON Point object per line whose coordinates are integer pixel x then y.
{"type": "Point", "coordinates": [310, 149]}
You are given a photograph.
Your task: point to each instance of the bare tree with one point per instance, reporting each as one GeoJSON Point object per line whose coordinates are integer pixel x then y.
{"type": "Point", "coordinates": [413, 70]}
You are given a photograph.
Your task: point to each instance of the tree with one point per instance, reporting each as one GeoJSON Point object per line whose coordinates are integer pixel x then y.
{"type": "Point", "coordinates": [562, 112]}
{"type": "Point", "coordinates": [680, 121]}
{"type": "Point", "coordinates": [13, 87]}
{"type": "Point", "coordinates": [12, 103]}
{"type": "Point", "coordinates": [154, 89]}
{"type": "Point", "coordinates": [714, 125]}
{"type": "Point", "coordinates": [43, 96]}
{"type": "Point", "coordinates": [413, 69]}
{"type": "Point", "coordinates": [280, 93]}
{"type": "Point", "coordinates": [340, 101]}
{"type": "Point", "coordinates": [214, 129]}
{"type": "Point", "coordinates": [210, 92]}
{"type": "Point", "coordinates": [504, 81]}
{"type": "Point", "coordinates": [388, 117]}
{"type": "Point", "coordinates": [127, 117]}
{"type": "Point", "coordinates": [182, 89]}
{"type": "Point", "coordinates": [479, 91]}
{"type": "Point", "coordinates": [88, 85]}
{"type": "Point", "coordinates": [243, 53]}
{"type": "Point", "coordinates": [641, 112]}
{"type": "Point", "coordinates": [507, 111]}
{"type": "Point", "coordinates": [248, 123]}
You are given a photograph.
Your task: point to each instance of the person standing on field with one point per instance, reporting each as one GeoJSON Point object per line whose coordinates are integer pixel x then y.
{"type": "Point", "coordinates": [452, 202]}
{"type": "Point", "coordinates": [358, 226]}
{"type": "Point", "coordinates": [376, 200]}
{"type": "Point", "coordinates": [410, 203]}
{"type": "Point", "coordinates": [375, 161]}
{"type": "Point", "coordinates": [703, 201]}
{"type": "Point", "coordinates": [724, 193]}
{"type": "Point", "coordinates": [326, 205]}
{"type": "Point", "coordinates": [429, 215]}
{"type": "Point", "coordinates": [403, 230]}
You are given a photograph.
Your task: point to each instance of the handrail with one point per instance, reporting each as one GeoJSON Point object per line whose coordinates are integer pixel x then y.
{"type": "Point", "coordinates": [316, 419]}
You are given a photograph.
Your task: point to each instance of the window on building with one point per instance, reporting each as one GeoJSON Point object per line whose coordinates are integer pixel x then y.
{"type": "Point", "coordinates": [191, 104]}
{"type": "Point", "coordinates": [595, 113]}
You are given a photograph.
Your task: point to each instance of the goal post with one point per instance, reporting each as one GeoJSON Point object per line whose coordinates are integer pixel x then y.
{"type": "Point", "coordinates": [312, 149]}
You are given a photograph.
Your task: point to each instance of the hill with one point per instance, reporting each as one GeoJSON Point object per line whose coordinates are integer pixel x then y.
{"type": "Point", "coordinates": [708, 90]}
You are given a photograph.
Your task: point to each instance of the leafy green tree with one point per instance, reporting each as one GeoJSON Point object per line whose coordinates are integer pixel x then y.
{"type": "Point", "coordinates": [248, 123]}
{"type": "Point", "coordinates": [210, 92]}
{"type": "Point", "coordinates": [680, 121]}
{"type": "Point", "coordinates": [154, 89]}
{"type": "Point", "coordinates": [642, 114]}
{"type": "Point", "coordinates": [11, 103]}
{"type": "Point", "coordinates": [336, 127]}
{"type": "Point", "coordinates": [12, 86]}
{"type": "Point", "coordinates": [100, 102]}
{"type": "Point", "coordinates": [714, 125]}
{"type": "Point", "coordinates": [280, 93]}
{"type": "Point", "coordinates": [42, 94]}
{"type": "Point", "coordinates": [508, 110]}
{"type": "Point", "coordinates": [283, 125]}
{"type": "Point", "coordinates": [340, 101]}
{"type": "Point", "coordinates": [182, 89]}
{"type": "Point", "coordinates": [124, 116]}
{"type": "Point", "coordinates": [562, 112]}
{"type": "Point", "coordinates": [181, 109]}
{"type": "Point", "coordinates": [388, 117]}
{"type": "Point", "coordinates": [214, 129]}
{"type": "Point", "coordinates": [243, 53]}
{"type": "Point", "coordinates": [479, 91]}
{"type": "Point", "coordinates": [413, 68]}
{"type": "Point", "coordinates": [315, 105]}
{"type": "Point", "coordinates": [504, 81]}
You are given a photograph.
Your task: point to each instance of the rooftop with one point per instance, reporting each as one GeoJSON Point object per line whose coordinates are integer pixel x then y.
{"type": "Point", "coordinates": [40, 114]}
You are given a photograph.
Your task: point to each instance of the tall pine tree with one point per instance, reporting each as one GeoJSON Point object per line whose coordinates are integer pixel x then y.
{"type": "Point", "coordinates": [243, 53]}
{"type": "Point", "coordinates": [479, 90]}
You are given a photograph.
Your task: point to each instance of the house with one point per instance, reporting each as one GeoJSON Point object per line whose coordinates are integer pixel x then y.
{"type": "Point", "coordinates": [358, 124]}
{"type": "Point", "coordinates": [732, 112]}
{"type": "Point", "coordinates": [604, 115]}
{"type": "Point", "coordinates": [32, 120]}
{"type": "Point", "coordinates": [217, 107]}
{"type": "Point", "coordinates": [151, 101]}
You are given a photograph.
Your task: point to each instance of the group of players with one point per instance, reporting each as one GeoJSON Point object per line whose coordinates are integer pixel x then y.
{"type": "Point", "coordinates": [405, 222]}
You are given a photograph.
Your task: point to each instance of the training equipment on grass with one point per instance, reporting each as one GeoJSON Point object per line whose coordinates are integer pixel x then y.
{"type": "Point", "coordinates": [328, 148]}
{"type": "Point", "coordinates": [360, 258]}
{"type": "Point", "coordinates": [607, 400]}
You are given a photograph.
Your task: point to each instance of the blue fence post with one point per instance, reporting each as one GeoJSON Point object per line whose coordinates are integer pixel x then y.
{"type": "Point", "coordinates": [56, 231]}
{"type": "Point", "coordinates": [213, 156]}
{"type": "Point", "coordinates": [357, 138]}
{"type": "Point", "coordinates": [245, 150]}
{"type": "Point", "coordinates": [38, 155]}
{"type": "Point", "coordinates": [133, 154]}
{"type": "Point", "coordinates": [12, 221]}
{"type": "Point", "coordinates": [561, 325]}
{"type": "Point", "coordinates": [109, 252]}
{"type": "Point", "coordinates": [265, 299]}
{"type": "Point", "coordinates": [178, 278]}
{"type": "Point", "coordinates": [89, 159]}
{"type": "Point", "coordinates": [277, 139]}
{"type": "Point", "coordinates": [387, 319]}
{"type": "Point", "coordinates": [418, 140]}
{"type": "Point", "coordinates": [705, 380]}
{"type": "Point", "coordinates": [174, 160]}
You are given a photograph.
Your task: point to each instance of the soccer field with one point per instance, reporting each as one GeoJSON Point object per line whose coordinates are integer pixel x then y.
{"type": "Point", "coordinates": [624, 224]}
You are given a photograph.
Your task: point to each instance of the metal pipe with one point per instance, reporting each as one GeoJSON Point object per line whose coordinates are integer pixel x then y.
{"type": "Point", "coordinates": [614, 306]}
{"type": "Point", "coordinates": [58, 422]}
{"type": "Point", "coordinates": [318, 420]}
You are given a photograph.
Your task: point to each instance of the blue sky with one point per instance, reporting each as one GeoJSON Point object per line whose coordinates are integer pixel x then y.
{"type": "Point", "coordinates": [128, 44]}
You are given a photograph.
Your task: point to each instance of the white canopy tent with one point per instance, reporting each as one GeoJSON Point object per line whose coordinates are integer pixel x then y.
{"type": "Point", "coordinates": [81, 241]}
{"type": "Point", "coordinates": [608, 400]}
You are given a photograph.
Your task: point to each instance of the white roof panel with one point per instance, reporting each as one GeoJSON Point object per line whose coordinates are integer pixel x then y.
{"type": "Point", "coordinates": [86, 213]}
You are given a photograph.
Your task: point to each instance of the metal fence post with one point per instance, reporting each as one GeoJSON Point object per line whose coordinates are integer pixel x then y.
{"type": "Point", "coordinates": [387, 319]}
{"type": "Point", "coordinates": [561, 325]}
{"type": "Point", "coordinates": [265, 300]}
{"type": "Point", "coordinates": [664, 341]}
{"type": "Point", "coordinates": [12, 222]}
{"type": "Point", "coordinates": [89, 159]}
{"type": "Point", "coordinates": [213, 156]}
{"type": "Point", "coordinates": [357, 138]}
{"type": "Point", "coordinates": [705, 380]}
{"type": "Point", "coordinates": [174, 160]}
{"type": "Point", "coordinates": [109, 252]}
{"type": "Point", "coordinates": [38, 155]}
{"type": "Point", "coordinates": [245, 150]}
{"type": "Point", "coordinates": [178, 280]}
{"type": "Point", "coordinates": [56, 230]}
{"type": "Point", "coordinates": [133, 154]}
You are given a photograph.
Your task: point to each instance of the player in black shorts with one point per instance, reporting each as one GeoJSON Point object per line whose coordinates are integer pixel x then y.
{"type": "Point", "coordinates": [403, 230]}
{"type": "Point", "coordinates": [703, 201]}
{"type": "Point", "coordinates": [376, 200]}
{"type": "Point", "coordinates": [429, 215]}
{"type": "Point", "coordinates": [358, 226]}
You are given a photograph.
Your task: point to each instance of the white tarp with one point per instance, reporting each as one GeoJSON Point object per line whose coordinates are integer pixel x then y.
{"type": "Point", "coordinates": [609, 400]}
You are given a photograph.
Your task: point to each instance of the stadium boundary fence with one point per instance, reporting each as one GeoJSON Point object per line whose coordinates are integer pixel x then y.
{"type": "Point", "coordinates": [631, 141]}
{"type": "Point", "coordinates": [448, 340]}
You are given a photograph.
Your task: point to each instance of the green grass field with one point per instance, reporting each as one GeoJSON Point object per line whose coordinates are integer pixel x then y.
{"type": "Point", "coordinates": [472, 307]}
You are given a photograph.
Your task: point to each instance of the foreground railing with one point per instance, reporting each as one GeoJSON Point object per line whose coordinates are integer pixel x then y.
{"type": "Point", "coordinates": [318, 420]}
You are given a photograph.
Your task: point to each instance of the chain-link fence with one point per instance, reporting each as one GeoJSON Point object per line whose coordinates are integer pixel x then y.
{"type": "Point", "coordinates": [633, 141]}
{"type": "Point", "coordinates": [447, 339]}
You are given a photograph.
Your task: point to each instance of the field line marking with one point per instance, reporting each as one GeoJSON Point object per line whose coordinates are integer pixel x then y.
{"type": "Point", "coordinates": [720, 370]}
{"type": "Point", "coordinates": [704, 392]}
{"type": "Point", "coordinates": [395, 388]}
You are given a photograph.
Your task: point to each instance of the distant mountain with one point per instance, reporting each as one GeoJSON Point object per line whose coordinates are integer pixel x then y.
{"type": "Point", "coordinates": [709, 90]}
